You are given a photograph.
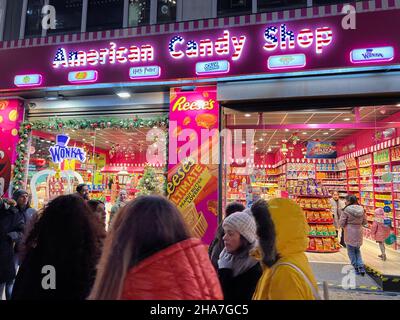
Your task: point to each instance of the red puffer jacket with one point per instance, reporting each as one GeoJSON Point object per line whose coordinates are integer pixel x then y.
{"type": "Point", "coordinates": [182, 271]}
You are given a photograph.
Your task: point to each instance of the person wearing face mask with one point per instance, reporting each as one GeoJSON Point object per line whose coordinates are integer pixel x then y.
{"type": "Point", "coordinates": [237, 270]}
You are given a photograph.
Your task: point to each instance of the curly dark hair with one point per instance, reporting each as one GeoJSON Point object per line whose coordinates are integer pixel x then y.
{"type": "Point", "coordinates": [68, 237]}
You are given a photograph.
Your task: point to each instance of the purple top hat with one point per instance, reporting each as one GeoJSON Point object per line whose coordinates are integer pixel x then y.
{"type": "Point", "coordinates": [62, 140]}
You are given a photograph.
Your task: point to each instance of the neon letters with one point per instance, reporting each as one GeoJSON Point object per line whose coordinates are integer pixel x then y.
{"type": "Point", "coordinates": [111, 55]}
{"type": "Point", "coordinates": [226, 45]}
{"type": "Point", "coordinates": [285, 39]}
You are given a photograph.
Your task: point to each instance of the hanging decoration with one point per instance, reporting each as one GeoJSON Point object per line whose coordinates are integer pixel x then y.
{"type": "Point", "coordinates": [284, 148]}
{"type": "Point", "coordinates": [295, 138]}
{"type": "Point", "coordinates": [60, 124]}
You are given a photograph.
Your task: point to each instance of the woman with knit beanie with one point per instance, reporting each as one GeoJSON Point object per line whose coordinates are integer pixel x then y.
{"type": "Point", "coordinates": [237, 270]}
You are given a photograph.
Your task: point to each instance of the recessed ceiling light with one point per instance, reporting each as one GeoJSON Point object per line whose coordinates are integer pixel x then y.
{"type": "Point", "coordinates": [130, 139]}
{"type": "Point", "coordinates": [304, 132]}
{"type": "Point", "coordinates": [107, 141]}
{"type": "Point", "coordinates": [326, 133]}
{"type": "Point", "coordinates": [247, 115]}
{"type": "Point", "coordinates": [124, 94]}
{"type": "Point", "coordinates": [332, 129]}
{"type": "Point", "coordinates": [261, 139]}
{"type": "Point", "coordinates": [83, 139]}
{"type": "Point", "coordinates": [269, 150]}
{"type": "Point", "coordinates": [264, 134]}
{"type": "Point", "coordinates": [398, 105]}
{"type": "Point", "coordinates": [243, 142]}
{"type": "Point", "coordinates": [346, 119]}
{"type": "Point", "coordinates": [287, 130]}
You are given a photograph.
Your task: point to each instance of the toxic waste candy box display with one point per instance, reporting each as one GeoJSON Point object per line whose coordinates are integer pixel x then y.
{"type": "Point", "coordinates": [193, 159]}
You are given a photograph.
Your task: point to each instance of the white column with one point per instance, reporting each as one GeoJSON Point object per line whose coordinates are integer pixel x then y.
{"type": "Point", "coordinates": [254, 6]}
{"type": "Point", "coordinates": [44, 31]}
{"type": "Point", "coordinates": [179, 10]}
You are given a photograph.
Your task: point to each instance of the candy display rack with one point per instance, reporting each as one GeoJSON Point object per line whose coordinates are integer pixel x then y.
{"type": "Point", "coordinates": [314, 200]}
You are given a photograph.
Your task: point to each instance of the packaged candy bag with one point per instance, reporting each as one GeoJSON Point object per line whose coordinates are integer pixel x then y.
{"type": "Point", "coordinates": [327, 243]}
{"type": "Point", "coordinates": [311, 244]}
{"type": "Point", "coordinates": [319, 245]}
{"type": "Point", "coordinates": [317, 217]}
{"type": "Point", "coordinates": [320, 230]}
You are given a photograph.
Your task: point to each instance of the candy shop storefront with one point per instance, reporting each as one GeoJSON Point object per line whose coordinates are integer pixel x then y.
{"type": "Point", "coordinates": [94, 102]}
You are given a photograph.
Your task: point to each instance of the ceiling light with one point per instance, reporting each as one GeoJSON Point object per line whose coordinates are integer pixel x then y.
{"type": "Point", "coordinates": [332, 129]}
{"type": "Point", "coordinates": [346, 119]}
{"type": "Point", "coordinates": [130, 139]}
{"type": "Point", "coordinates": [304, 133]}
{"type": "Point", "coordinates": [398, 105]}
{"type": "Point", "coordinates": [326, 133]}
{"type": "Point", "coordinates": [124, 94]}
{"type": "Point", "coordinates": [261, 139]}
{"type": "Point", "coordinates": [287, 130]}
{"type": "Point", "coordinates": [243, 142]}
{"type": "Point", "coordinates": [247, 115]}
{"type": "Point", "coordinates": [269, 149]}
{"type": "Point", "coordinates": [264, 134]}
{"type": "Point", "coordinates": [107, 141]}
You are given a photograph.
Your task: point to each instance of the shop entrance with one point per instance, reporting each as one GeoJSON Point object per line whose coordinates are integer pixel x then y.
{"type": "Point", "coordinates": [307, 155]}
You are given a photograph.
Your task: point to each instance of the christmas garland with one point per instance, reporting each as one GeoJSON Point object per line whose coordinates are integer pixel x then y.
{"type": "Point", "coordinates": [58, 124]}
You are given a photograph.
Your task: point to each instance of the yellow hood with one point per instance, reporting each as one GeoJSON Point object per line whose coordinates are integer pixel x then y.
{"type": "Point", "coordinates": [290, 226]}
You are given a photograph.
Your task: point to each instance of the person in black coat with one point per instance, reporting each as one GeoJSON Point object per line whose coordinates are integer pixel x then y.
{"type": "Point", "coordinates": [11, 231]}
{"type": "Point", "coordinates": [237, 270]}
{"type": "Point", "coordinates": [217, 245]}
{"type": "Point", "coordinates": [62, 252]}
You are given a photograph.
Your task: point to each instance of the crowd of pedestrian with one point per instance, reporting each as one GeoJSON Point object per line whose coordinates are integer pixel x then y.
{"type": "Point", "coordinates": [148, 252]}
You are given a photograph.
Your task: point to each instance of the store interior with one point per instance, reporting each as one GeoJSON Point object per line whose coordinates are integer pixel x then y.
{"type": "Point", "coordinates": [306, 155]}
{"type": "Point", "coordinates": [115, 159]}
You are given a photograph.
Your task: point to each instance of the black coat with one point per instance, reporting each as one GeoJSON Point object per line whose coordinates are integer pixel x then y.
{"type": "Point", "coordinates": [241, 287]}
{"type": "Point", "coordinates": [216, 246]}
{"type": "Point", "coordinates": [11, 231]}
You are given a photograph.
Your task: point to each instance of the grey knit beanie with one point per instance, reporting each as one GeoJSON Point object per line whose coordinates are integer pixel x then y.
{"type": "Point", "coordinates": [244, 223]}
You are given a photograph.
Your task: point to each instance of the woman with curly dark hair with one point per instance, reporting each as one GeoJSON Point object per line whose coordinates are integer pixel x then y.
{"type": "Point", "coordinates": [68, 238]}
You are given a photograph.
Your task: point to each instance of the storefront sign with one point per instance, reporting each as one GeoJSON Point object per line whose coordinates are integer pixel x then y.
{"type": "Point", "coordinates": [82, 76]}
{"type": "Point", "coordinates": [61, 151]}
{"type": "Point", "coordinates": [28, 80]}
{"type": "Point", "coordinates": [226, 45]}
{"type": "Point", "coordinates": [193, 184]}
{"type": "Point", "coordinates": [286, 39]}
{"type": "Point", "coordinates": [144, 72]}
{"type": "Point", "coordinates": [212, 67]}
{"type": "Point", "coordinates": [252, 49]}
{"type": "Point", "coordinates": [372, 55]}
{"type": "Point", "coordinates": [321, 150]}
{"type": "Point", "coordinates": [110, 55]}
{"type": "Point", "coordinates": [287, 61]}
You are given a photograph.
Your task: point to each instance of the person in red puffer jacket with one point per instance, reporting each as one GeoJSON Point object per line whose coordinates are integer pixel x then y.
{"type": "Point", "coordinates": [150, 255]}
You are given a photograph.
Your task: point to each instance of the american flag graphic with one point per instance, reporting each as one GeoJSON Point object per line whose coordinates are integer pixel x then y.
{"type": "Point", "coordinates": [192, 49]}
{"type": "Point", "coordinates": [305, 38]}
{"type": "Point", "coordinates": [206, 47]}
{"type": "Point", "coordinates": [272, 40]}
{"type": "Point", "coordinates": [175, 54]}
{"type": "Point", "coordinates": [147, 52]}
{"type": "Point", "coordinates": [286, 34]}
{"type": "Point", "coordinates": [60, 58]}
{"type": "Point", "coordinates": [324, 37]}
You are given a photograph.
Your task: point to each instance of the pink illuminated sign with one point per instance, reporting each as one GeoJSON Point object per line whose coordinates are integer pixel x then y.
{"type": "Point", "coordinates": [287, 39]}
{"type": "Point", "coordinates": [222, 46]}
{"type": "Point", "coordinates": [219, 51]}
{"type": "Point", "coordinates": [110, 55]}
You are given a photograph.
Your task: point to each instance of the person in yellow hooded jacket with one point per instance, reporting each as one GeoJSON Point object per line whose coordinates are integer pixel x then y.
{"type": "Point", "coordinates": [282, 231]}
